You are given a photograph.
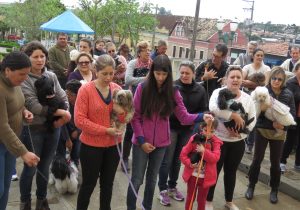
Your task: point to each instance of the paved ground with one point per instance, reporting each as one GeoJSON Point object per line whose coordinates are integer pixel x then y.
{"type": "Point", "coordinates": [260, 201]}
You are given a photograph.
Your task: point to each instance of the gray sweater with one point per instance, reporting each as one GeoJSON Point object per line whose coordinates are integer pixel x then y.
{"type": "Point", "coordinates": [31, 100]}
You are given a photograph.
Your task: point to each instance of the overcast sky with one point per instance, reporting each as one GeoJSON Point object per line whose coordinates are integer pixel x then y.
{"type": "Point", "coordinates": [286, 11]}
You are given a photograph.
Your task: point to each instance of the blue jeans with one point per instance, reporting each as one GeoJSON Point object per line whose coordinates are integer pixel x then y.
{"type": "Point", "coordinates": [7, 163]}
{"type": "Point", "coordinates": [170, 165]}
{"type": "Point", "coordinates": [140, 162]}
{"type": "Point", "coordinates": [45, 144]}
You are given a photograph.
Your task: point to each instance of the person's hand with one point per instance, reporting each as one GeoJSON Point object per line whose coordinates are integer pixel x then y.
{"type": "Point", "coordinates": [249, 84]}
{"type": "Point", "coordinates": [200, 148]}
{"type": "Point", "coordinates": [28, 116]}
{"type": "Point", "coordinates": [277, 125]}
{"type": "Point", "coordinates": [211, 74]}
{"type": "Point", "coordinates": [147, 147]}
{"type": "Point", "coordinates": [113, 131]}
{"type": "Point", "coordinates": [233, 133]}
{"type": "Point", "coordinates": [195, 165]}
{"type": "Point", "coordinates": [240, 123]}
{"type": "Point", "coordinates": [65, 115]}
{"type": "Point", "coordinates": [75, 134]}
{"type": "Point", "coordinates": [69, 144]}
{"type": "Point", "coordinates": [264, 107]}
{"type": "Point", "coordinates": [30, 159]}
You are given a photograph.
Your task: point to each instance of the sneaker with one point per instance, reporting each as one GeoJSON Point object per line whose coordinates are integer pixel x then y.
{"type": "Point", "coordinates": [231, 206]}
{"type": "Point", "coordinates": [14, 177]}
{"type": "Point", "coordinates": [164, 198]}
{"type": "Point", "coordinates": [248, 149]}
{"type": "Point", "coordinates": [282, 167]}
{"type": "Point", "coordinates": [297, 168]}
{"type": "Point", "coordinates": [209, 206]}
{"type": "Point", "coordinates": [175, 194]}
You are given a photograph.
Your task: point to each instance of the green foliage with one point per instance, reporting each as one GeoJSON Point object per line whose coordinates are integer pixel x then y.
{"type": "Point", "coordinates": [31, 14]}
{"type": "Point", "coordinates": [163, 11]}
{"type": "Point", "coordinates": [8, 44]}
{"type": "Point", "coordinates": [119, 19]}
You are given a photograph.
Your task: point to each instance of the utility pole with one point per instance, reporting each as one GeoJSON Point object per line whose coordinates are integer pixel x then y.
{"type": "Point", "coordinates": [192, 54]}
{"type": "Point", "coordinates": [251, 18]}
{"type": "Point", "coordinates": [154, 28]}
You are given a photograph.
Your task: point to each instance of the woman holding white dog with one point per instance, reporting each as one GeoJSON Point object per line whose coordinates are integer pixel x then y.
{"type": "Point", "coordinates": [265, 134]}
{"type": "Point", "coordinates": [233, 146]}
{"type": "Point", "coordinates": [99, 156]}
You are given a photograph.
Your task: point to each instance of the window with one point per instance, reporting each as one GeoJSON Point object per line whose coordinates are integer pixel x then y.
{"type": "Point", "coordinates": [179, 31]}
{"type": "Point", "coordinates": [180, 52]}
{"type": "Point", "coordinates": [201, 55]}
{"type": "Point", "coordinates": [174, 51]}
{"type": "Point", "coordinates": [187, 53]}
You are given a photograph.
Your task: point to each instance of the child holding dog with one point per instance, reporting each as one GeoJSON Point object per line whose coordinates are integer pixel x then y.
{"type": "Point", "coordinates": [154, 101]}
{"type": "Point", "coordinates": [204, 144]}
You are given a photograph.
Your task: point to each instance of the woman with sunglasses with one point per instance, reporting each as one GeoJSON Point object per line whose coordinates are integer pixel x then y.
{"type": "Point", "coordinates": [121, 64]}
{"type": "Point", "coordinates": [265, 134]}
{"type": "Point", "coordinates": [83, 72]}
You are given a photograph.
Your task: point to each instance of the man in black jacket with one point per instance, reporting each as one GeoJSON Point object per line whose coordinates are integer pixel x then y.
{"type": "Point", "coordinates": [212, 71]}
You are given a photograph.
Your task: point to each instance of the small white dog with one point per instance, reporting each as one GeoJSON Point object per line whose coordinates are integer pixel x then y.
{"type": "Point", "coordinates": [64, 175]}
{"type": "Point", "coordinates": [277, 111]}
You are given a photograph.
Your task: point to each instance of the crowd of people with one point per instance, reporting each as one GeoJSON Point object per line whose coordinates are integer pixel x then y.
{"type": "Point", "coordinates": [174, 122]}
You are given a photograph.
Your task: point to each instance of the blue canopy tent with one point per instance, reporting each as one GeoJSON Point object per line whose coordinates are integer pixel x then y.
{"type": "Point", "coordinates": [68, 23]}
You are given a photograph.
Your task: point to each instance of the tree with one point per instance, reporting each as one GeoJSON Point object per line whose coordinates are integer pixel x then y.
{"type": "Point", "coordinates": [119, 19]}
{"type": "Point", "coordinates": [163, 11]}
{"type": "Point", "coordinates": [32, 14]}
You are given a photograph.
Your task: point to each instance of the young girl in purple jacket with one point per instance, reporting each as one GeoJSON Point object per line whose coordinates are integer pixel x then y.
{"type": "Point", "coordinates": [154, 101]}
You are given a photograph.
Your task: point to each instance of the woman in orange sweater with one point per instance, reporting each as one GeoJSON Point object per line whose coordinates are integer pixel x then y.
{"type": "Point", "coordinates": [98, 154]}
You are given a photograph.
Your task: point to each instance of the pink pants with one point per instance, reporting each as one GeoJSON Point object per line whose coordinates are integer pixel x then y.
{"type": "Point", "coordinates": [201, 194]}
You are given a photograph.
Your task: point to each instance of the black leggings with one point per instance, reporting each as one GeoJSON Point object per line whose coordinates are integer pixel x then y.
{"type": "Point", "coordinates": [231, 156]}
{"type": "Point", "coordinates": [261, 144]}
{"type": "Point", "coordinates": [97, 162]}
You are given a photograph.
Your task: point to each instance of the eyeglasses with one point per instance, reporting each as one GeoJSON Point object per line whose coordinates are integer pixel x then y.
{"type": "Point", "coordinates": [111, 51]}
{"type": "Point", "coordinates": [276, 78]}
{"type": "Point", "coordinates": [84, 63]}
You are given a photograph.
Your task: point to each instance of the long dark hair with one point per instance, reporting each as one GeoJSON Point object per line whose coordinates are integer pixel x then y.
{"type": "Point", "coordinates": [154, 100]}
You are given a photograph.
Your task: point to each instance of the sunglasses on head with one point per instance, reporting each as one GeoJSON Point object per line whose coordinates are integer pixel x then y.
{"type": "Point", "coordinates": [276, 78]}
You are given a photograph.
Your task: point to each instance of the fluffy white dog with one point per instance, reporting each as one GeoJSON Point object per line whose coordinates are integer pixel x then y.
{"type": "Point", "coordinates": [277, 111]}
{"type": "Point", "coordinates": [64, 175]}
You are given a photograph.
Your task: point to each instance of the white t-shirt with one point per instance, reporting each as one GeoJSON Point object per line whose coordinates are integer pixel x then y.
{"type": "Point", "coordinates": [248, 70]}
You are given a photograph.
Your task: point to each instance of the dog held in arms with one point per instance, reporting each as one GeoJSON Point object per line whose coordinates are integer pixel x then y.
{"type": "Point", "coordinates": [276, 110]}
{"type": "Point", "coordinates": [64, 175]}
{"type": "Point", "coordinates": [225, 101]}
{"type": "Point", "coordinates": [46, 96]}
{"type": "Point", "coordinates": [122, 99]}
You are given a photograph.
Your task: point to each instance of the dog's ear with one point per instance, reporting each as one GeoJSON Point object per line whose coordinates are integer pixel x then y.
{"type": "Point", "coordinates": [39, 82]}
{"type": "Point", "coordinates": [222, 102]}
{"type": "Point", "coordinates": [253, 95]}
{"type": "Point", "coordinates": [129, 95]}
{"type": "Point", "coordinates": [115, 93]}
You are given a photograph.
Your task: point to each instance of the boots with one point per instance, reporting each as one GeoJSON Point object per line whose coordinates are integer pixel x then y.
{"type": "Point", "coordinates": [42, 204]}
{"type": "Point", "coordinates": [25, 205]}
{"type": "Point", "coordinates": [273, 196]}
{"type": "Point", "coordinates": [249, 193]}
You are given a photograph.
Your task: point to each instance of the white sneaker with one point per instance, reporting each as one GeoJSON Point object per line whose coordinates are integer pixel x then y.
{"type": "Point", "coordinates": [231, 206]}
{"type": "Point", "coordinates": [209, 206]}
{"type": "Point", "coordinates": [282, 167]}
{"type": "Point", "coordinates": [14, 177]}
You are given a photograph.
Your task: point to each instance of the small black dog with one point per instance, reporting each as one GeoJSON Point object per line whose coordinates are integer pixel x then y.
{"type": "Point", "coordinates": [195, 157]}
{"type": "Point", "coordinates": [46, 96]}
{"type": "Point", "coordinates": [225, 101]}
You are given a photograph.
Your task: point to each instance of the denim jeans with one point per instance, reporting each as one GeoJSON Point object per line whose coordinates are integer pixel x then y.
{"type": "Point", "coordinates": [140, 162]}
{"type": "Point", "coordinates": [170, 165]}
{"type": "Point", "coordinates": [7, 164]}
{"type": "Point", "coordinates": [44, 145]}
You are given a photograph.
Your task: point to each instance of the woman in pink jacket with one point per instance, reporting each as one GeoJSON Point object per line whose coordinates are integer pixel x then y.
{"type": "Point", "coordinates": [208, 173]}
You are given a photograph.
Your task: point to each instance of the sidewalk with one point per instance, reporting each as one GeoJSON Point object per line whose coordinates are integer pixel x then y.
{"type": "Point", "coordinates": [290, 180]}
